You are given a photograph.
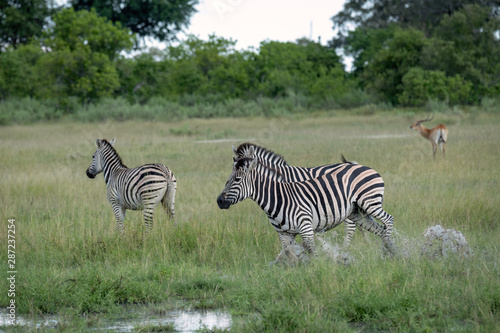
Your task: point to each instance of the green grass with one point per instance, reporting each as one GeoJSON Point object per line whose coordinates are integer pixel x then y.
{"type": "Point", "coordinates": [70, 260]}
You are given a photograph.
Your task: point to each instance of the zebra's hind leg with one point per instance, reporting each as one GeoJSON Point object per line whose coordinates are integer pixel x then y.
{"type": "Point", "coordinates": [148, 215]}
{"type": "Point", "coordinates": [368, 223]}
{"type": "Point", "coordinates": [350, 227]}
{"type": "Point", "coordinates": [388, 222]}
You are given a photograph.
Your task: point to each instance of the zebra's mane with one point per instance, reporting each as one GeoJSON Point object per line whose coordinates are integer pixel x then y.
{"type": "Point", "coordinates": [273, 171]}
{"type": "Point", "coordinates": [116, 155]}
{"type": "Point", "coordinates": [261, 152]}
{"type": "Point", "coordinates": [240, 161]}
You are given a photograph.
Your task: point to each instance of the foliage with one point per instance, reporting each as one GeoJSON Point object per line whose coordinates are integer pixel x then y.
{"type": "Point", "coordinates": [18, 71]}
{"type": "Point", "coordinates": [215, 69]}
{"type": "Point", "coordinates": [21, 20]}
{"type": "Point", "coordinates": [453, 57]}
{"type": "Point", "coordinates": [467, 44]}
{"type": "Point", "coordinates": [385, 73]}
{"type": "Point", "coordinates": [363, 44]}
{"type": "Point", "coordinates": [421, 85]}
{"type": "Point", "coordinates": [305, 67]}
{"type": "Point", "coordinates": [379, 14]}
{"type": "Point", "coordinates": [155, 18]}
{"type": "Point", "coordinates": [83, 47]}
{"type": "Point", "coordinates": [461, 57]}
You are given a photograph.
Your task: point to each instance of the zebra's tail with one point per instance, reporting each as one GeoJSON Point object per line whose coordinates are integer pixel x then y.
{"type": "Point", "coordinates": [344, 160]}
{"type": "Point", "coordinates": [168, 200]}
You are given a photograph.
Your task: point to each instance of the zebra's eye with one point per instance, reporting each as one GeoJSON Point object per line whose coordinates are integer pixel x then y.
{"type": "Point", "coordinates": [237, 178]}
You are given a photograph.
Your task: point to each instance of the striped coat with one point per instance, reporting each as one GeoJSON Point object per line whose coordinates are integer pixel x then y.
{"type": "Point", "coordinates": [291, 173]}
{"type": "Point", "coordinates": [309, 206]}
{"type": "Point", "coordinates": [140, 188]}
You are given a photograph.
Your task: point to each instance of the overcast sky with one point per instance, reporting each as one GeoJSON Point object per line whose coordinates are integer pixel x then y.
{"type": "Point", "coordinates": [251, 21]}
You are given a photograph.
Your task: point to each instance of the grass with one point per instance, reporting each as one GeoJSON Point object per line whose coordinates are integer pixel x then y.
{"type": "Point", "coordinates": [70, 260]}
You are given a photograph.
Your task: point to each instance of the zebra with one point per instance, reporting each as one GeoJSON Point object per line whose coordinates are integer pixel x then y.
{"type": "Point", "coordinates": [304, 207]}
{"type": "Point", "coordinates": [296, 174]}
{"type": "Point", "coordinates": [140, 188]}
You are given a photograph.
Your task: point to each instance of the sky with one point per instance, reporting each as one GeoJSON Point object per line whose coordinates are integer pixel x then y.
{"type": "Point", "coordinates": [250, 22]}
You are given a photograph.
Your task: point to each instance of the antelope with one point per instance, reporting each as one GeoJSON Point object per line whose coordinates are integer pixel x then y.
{"type": "Point", "coordinates": [436, 135]}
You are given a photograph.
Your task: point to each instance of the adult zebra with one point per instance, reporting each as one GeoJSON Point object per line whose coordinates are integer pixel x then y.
{"type": "Point", "coordinates": [291, 173]}
{"type": "Point", "coordinates": [304, 207]}
{"type": "Point", "coordinates": [140, 188]}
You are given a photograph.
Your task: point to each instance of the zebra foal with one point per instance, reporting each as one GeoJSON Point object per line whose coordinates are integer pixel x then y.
{"type": "Point", "coordinates": [312, 205]}
{"type": "Point", "coordinates": [140, 188]}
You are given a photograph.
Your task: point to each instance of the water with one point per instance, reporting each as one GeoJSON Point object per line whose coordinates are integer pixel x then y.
{"type": "Point", "coordinates": [435, 242]}
{"type": "Point", "coordinates": [181, 321]}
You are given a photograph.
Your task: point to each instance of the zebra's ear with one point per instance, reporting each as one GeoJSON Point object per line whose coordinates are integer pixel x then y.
{"type": "Point", "coordinates": [98, 143]}
{"type": "Point", "coordinates": [112, 142]}
{"type": "Point", "coordinates": [234, 151]}
{"type": "Point", "coordinates": [251, 151]}
{"type": "Point", "coordinates": [279, 176]}
{"type": "Point", "coordinates": [253, 164]}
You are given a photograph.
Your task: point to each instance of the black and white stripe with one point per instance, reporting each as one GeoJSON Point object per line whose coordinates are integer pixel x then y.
{"type": "Point", "coordinates": [291, 173]}
{"type": "Point", "coordinates": [319, 204]}
{"type": "Point", "coordinates": [140, 188]}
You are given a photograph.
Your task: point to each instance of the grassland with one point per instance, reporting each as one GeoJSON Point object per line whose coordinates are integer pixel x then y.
{"type": "Point", "coordinates": [70, 260]}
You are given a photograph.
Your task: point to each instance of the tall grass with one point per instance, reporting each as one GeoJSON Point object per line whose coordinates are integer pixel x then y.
{"type": "Point", "coordinates": [71, 261]}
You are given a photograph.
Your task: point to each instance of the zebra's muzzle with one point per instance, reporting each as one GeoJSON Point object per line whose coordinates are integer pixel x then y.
{"type": "Point", "coordinates": [90, 175]}
{"type": "Point", "coordinates": [222, 202]}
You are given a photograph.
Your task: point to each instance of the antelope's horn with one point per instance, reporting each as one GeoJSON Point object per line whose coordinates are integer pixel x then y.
{"type": "Point", "coordinates": [429, 118]}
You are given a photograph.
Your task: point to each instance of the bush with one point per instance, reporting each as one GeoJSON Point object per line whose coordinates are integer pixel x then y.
{"type": "Point", "coordinates": [27, 110]}
{"type": "Point", "coordinates": [490, 104]}
{"type": "Point", "coordinates": [420, 85]}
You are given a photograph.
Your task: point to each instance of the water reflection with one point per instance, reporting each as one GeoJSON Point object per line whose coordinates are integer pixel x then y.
{"type": "Point", "coordinates": [180, 321]}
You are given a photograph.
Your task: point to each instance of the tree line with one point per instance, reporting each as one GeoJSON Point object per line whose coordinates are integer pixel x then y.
{"type": "Point", "coordinates": [404, 53]}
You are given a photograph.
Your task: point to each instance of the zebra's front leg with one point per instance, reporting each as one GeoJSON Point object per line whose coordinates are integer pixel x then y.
{"type": "Point", "coordinates": [307, 234]}
{"type": "Point", "coordinates": [119, 212]}
{"type": "Point", "coordinates": [287, 249]}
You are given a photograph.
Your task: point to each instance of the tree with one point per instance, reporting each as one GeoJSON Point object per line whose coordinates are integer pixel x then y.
{"type": "Point", "coordinates": [384, 75]}
{"type": "Point", "coordinates": [82, 48]}
{"type": "Point", "coordinates": [421, 85]}
{"type": "Point", "coordinates": [423, 15]}
{"type": "Point", "coordinates": [466, 43]}
{"type": "Point", "coordinates": [363, 43]}
{"type": "Point", "coordinates": [18, 71]}
{"type": "Point", "coordinates": [210, 67]}
{"type": "Point", "coordinates": [21, 20]}
{"type": "Point", "coordinates": [154, 18]}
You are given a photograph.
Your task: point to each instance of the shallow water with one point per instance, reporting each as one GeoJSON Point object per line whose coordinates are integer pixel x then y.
{"type": "Point", "coordinates": [182, 321]}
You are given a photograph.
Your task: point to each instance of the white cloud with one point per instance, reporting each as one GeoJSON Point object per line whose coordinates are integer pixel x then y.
{"type": "Point", "coordinates": [252, 21]}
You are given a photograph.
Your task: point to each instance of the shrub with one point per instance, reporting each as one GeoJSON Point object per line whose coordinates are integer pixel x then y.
{"type": "Point", "coordinates": [419, 85]}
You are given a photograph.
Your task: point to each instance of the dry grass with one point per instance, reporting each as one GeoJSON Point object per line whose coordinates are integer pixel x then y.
{"type": "Point", "coordinates": [70, 256]}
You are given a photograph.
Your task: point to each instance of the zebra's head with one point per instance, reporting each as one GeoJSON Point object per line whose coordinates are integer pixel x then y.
{"type": "Point", "coordinates": [239, 185]}
{"type": "Point", "coordinates": [97, 164]}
